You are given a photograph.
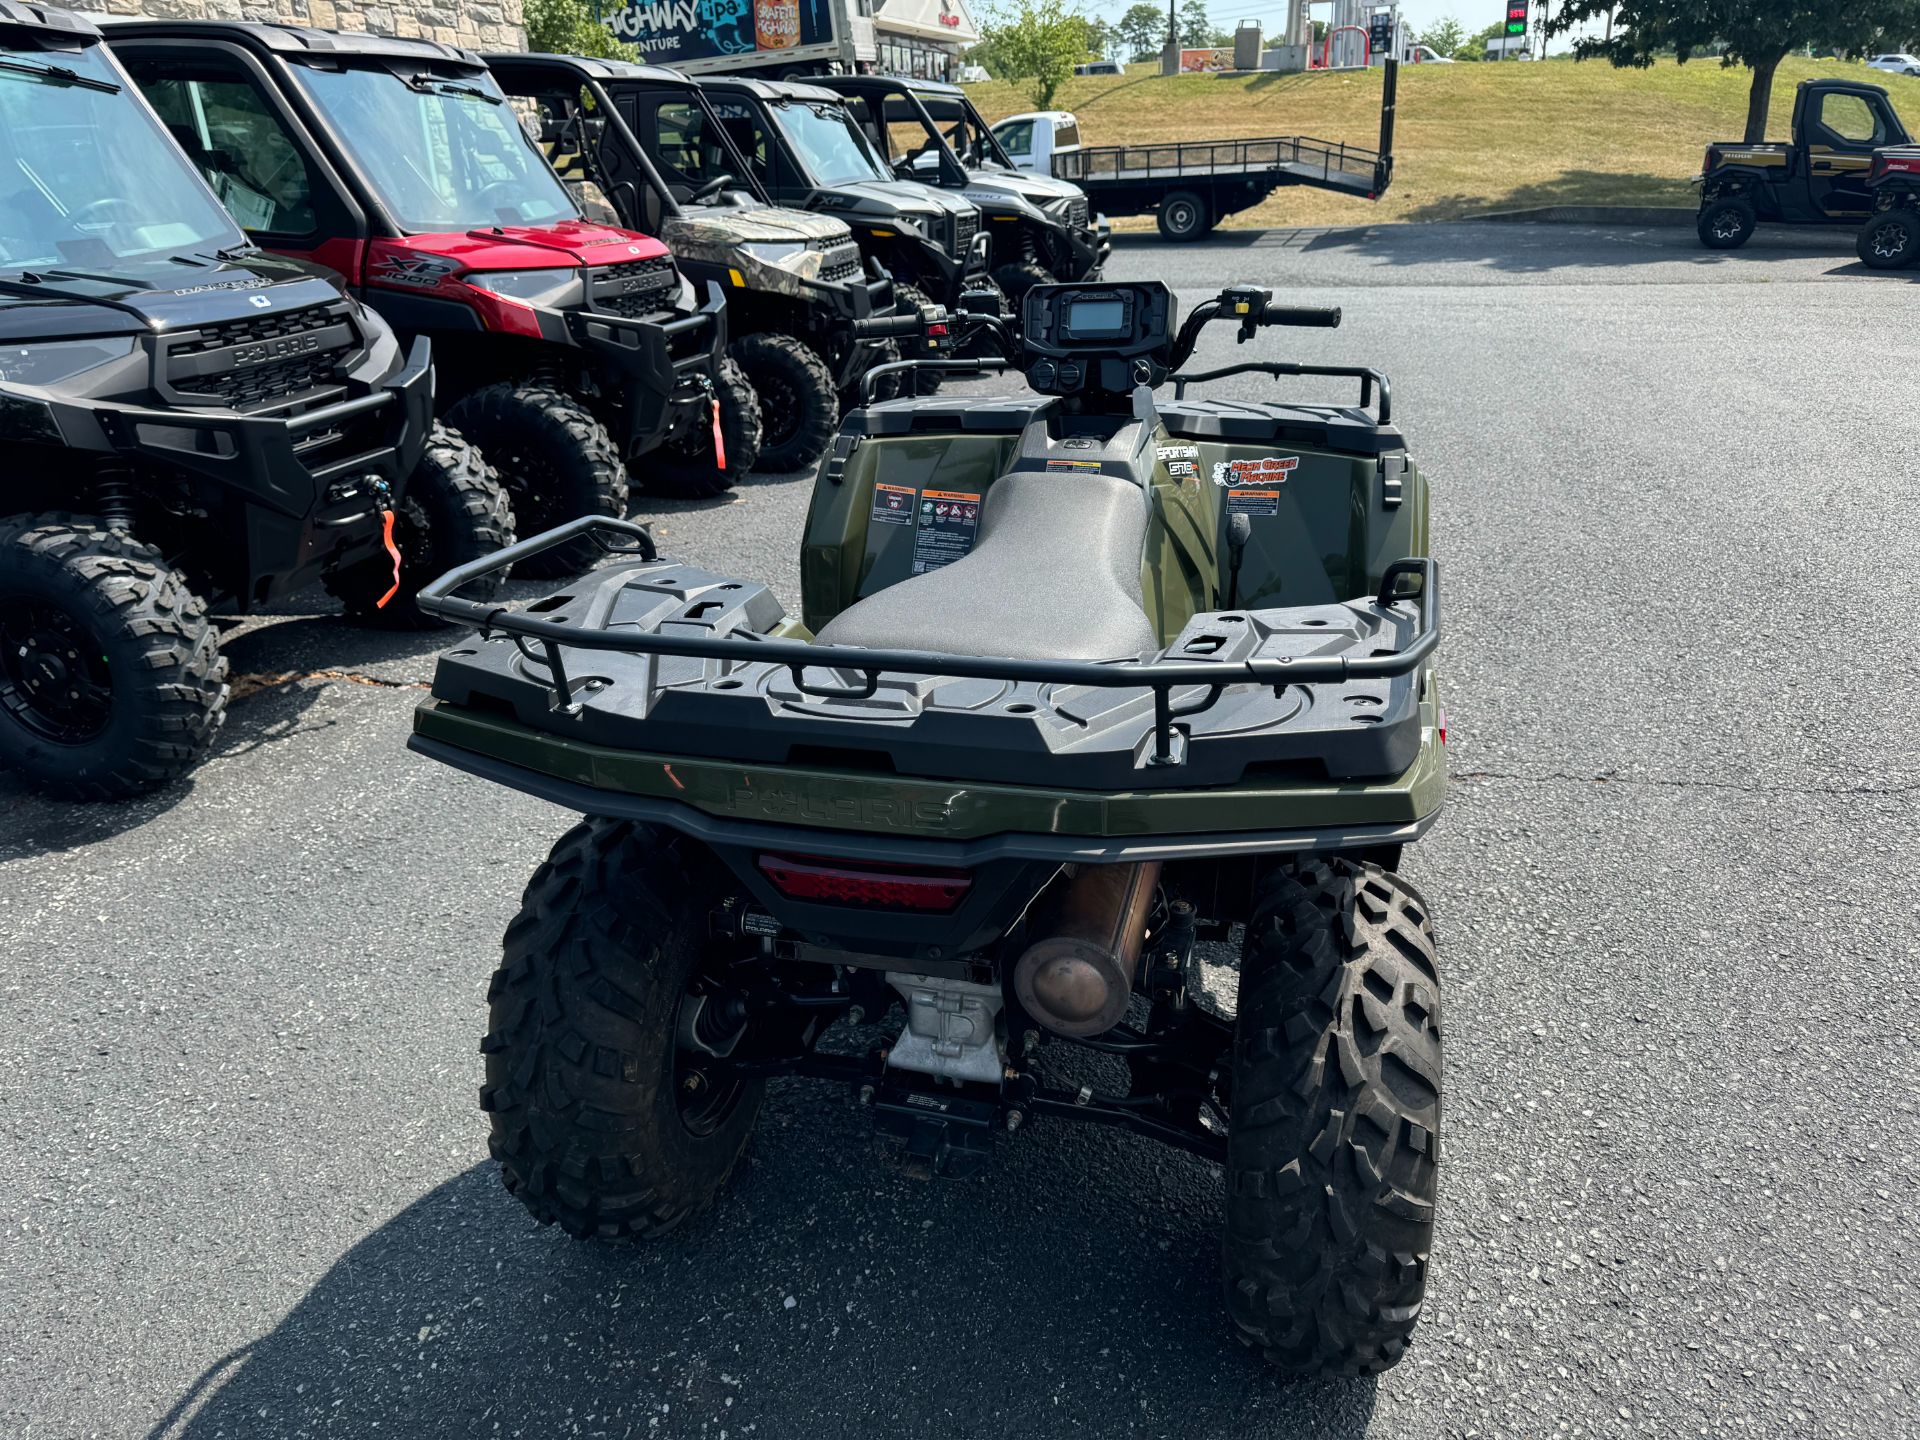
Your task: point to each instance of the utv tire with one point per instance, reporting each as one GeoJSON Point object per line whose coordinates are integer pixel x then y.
{"type": "Point", "coordinates": [1184, 216]}
{"type": "Point", "coordinates": [887, 387]}
{"type": "Point", "coordinates": [1727, 224]}
{"type": "Point", "coordinates": [453, 511]}
{"type": "Point", "coordinates": [1332, 1155]}
{"type": "Point", "coordinates": [1016, 278]}
{"type": "Point", "coordinates": [594, 1120]}
{"type": "Point", "coordinates": [1890, 240]}
{"type": "Point", "coordinates": [555, 460]}
{"type": "Point", "coordinates": [909, 298]}
{"type": "Point", "coordinates": [684, 468]}
{"type": "Point", "coordinates": [799, 407]}
{"type": "Point", "coordinates": [111, 677]}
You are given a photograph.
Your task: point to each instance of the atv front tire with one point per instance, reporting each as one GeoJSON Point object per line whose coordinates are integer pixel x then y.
{"type": "Point", "coordinates": [685, 468]}
{"type": "Point", "coordinates": [601, 1121]}
{"type": "Point", "coordinates": [555, 459]}
{"type": "Point", "coordinates": [1727, 224]}
{"type": "Point", "coordinates": [111, 677]}
{"type": "Point", "coordinates": [454, 510]}
{"type": "Point", "coordinates": [799, 408]}
{"type": "Point", "coordinates": [1333, 1149]}
{"type": "Point", "coordinates": [1890, 240]}
{"type": "Point", "coordinates": [908, 299]}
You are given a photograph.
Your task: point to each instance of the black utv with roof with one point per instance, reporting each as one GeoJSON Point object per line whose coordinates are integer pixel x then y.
{"type": "Point", "coordinates": [185, 418]}
{"type": "Point", "coordinates": [1041, 229]}
{"type": "Point", "coordinates": [642, 145]}
{"type": "Point", "coordinates": [807, 152]}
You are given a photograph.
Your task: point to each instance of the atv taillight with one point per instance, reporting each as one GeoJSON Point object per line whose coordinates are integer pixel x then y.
{"type": "Point", "coordinates": [1713, 160]}
{"type": "Point", "coordinates": [869, 883]}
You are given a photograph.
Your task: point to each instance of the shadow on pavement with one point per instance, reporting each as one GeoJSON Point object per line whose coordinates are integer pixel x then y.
{"type": "Point", "coordinates": [1070, 1288]}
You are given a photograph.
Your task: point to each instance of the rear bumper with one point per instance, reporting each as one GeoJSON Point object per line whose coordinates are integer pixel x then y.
{"type": "Point", "coordinates": [852, 815]}
{"type": "Point", "coordinates": [664, 367]}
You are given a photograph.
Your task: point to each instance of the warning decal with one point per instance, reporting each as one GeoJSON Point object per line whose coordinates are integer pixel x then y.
{"type": "Point", "coordinates": [1253, 502]}
{"type": "Point", "coordinates": [1077, 466]}
{"type": "Point", "coordinates": [949, 522]}
{"type": "Point", "coordinates": [893, 504]}
{"type": "Point", "coordinates": [1267, 469]}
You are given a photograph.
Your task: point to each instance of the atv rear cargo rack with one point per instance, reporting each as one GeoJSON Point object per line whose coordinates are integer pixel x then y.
{"type": "Point", "coordinates": [858, 671]}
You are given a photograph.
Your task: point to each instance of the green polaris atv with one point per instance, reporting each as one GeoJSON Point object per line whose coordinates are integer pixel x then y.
{"type": "Point", "coordinates": [1083, 678]}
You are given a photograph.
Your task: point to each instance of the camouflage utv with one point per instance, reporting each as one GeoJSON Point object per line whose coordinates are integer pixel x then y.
{"type": "Point", "coordinates": [644, 143]}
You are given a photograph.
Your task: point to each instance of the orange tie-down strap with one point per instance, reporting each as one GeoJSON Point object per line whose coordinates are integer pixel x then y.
{"type": "Point", "coordinates": [386, 538]}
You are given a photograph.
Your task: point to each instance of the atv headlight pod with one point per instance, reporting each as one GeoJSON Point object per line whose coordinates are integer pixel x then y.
{"type": "Point", "coordinates": [50, 362]}
{"type": "Point", "coordinates": [529, 287]}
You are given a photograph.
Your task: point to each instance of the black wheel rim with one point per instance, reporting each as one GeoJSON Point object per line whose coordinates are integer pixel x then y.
{"type": "Point", "coordinates": [1891, 241]}
{"type": "Point", "coordinates": [1729, 225]}
{"type": "Point", "coordinates": [529, 484]}
{"type": "Point", "coordinates": [53, 678]}
{"type": "Point", "coordinates": [706, 1087]}
{"type": "Point", "coordinates": [779, 410]}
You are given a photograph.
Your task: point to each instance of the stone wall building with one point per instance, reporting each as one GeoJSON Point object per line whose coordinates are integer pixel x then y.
{"type": "Point", "coordinates": [474, 24]}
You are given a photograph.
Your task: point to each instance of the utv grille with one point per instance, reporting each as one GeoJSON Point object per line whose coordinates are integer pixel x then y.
{"type": "Point", "coordinates": [841, 265]}
{"type": "Point", "coordinates": [1078, 213]}
{"type": "Point", "coordinates": [637, 288]}
{"type": "Point", "coordinates": [263, 360]}
{"type": "Point", "coordinates": [964, 228]}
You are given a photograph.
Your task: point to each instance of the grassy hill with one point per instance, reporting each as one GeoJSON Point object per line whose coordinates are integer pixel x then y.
{"type": "Point", "coordinates": [1471, 137]}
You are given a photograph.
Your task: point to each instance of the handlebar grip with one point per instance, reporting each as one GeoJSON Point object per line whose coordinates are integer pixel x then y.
{"type": "Point", "coordinates": [1316, 317]}
{"type": "Point", "coordinates": [885, 326]}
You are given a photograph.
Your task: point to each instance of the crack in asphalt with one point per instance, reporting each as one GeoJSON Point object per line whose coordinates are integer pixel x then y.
{"type": "Point", "coordinates": [245, 687]}
{"type": "Point", "coordinates": [1608, 777]}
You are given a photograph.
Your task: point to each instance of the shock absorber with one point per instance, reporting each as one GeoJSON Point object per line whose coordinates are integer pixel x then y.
{"type": "Point", "coordinates": [113, 495]}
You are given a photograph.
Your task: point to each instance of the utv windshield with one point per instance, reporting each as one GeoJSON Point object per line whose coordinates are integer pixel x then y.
{"type": "Point", "coordinates": [88, 179]}
{"type": "Point", "coordinates": [442, 152]}
{"type": "Point", "coordinates": [963, 129]}
{"type": "Point", "coordinates": [828, 143]}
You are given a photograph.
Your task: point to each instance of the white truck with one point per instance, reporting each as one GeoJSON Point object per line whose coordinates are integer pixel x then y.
{"type": "Point", "coordinates": [1189, 186]}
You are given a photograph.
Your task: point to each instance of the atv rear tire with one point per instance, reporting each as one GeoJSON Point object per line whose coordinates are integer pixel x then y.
{"type": "Point", "coordinates": [555, 459]}
{"type": "Point", "coordinates": [799, 407]}
{"type": "Point", "coordinates": [684, 468]}
{"type": "Point", "coordinates": [1184, 216]}
{"type": "Point", "coordinates": [1890, 240]}
{"type": "Point", "coordinates": [1727, 224]}
{"type": "Point", "coordinates": [597, 1121]}
{"type": "Point", "coordinates": [1333, 1149]}
{"type": "Point", "coordinates": [111, 677]}
{"type": "Point", "coordinates": [454, 510]}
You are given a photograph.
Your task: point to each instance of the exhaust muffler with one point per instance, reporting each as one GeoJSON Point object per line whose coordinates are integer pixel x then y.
{"type": "Point", "coordinates": [1077, 978]}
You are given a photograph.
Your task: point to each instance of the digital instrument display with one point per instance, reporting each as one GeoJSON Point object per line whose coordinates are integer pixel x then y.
{"type": "Point", "coordinates": [1096, 317]}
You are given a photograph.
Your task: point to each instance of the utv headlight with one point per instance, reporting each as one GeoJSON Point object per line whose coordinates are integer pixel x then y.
{"type": "Point", "coordinates": [57, 360]}
{"type": "Point", "coordinates": [783, 254]}
{"type": "Point", "coordinates": [531, 287]}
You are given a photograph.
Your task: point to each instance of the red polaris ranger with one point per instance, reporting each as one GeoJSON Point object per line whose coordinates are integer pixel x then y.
{"type": "Point", "coordinates": [565, 349]}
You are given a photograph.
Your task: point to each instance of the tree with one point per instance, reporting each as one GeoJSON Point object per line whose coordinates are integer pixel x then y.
{"type": "Point", "coordinates": [1143, 30]}
{"type": "Point", "coordinates": [1101, 37]}
{"type": "Point", "coordinates": [1443, 37]}
{"type": "Point", "coordinates": [1196, 30]}
{"type": "Point", "coordinates": [1756, 33]}
{"type": "Point", "coordinates": [567, 27]}
{"type": "Point", "coordinates": [1038, 42]}
{"type": "Point", "coordinates": [1474, 47]}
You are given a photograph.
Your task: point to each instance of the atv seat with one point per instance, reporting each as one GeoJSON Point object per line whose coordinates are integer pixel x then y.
{"type": "Point", "coordinates": [1054, 575]}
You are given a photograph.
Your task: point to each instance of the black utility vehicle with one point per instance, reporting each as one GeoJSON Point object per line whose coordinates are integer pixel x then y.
{"type": "Point", "coordinates": [567, 350]}
{"type": "Point", "coordinates": [1817, 178]}
{"type": "Point", "coordinates": [642, 144]}
{"type": "Point", "coordinates": [1040, 229]}
{"type": "Point", "coordinates": [806, 151]}
{"type": "Point", "coordinates": [185, 418]}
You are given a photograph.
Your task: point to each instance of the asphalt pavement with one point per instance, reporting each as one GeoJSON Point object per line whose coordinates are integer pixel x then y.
{"type": "Point", "coordinates": [1679, 921]}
